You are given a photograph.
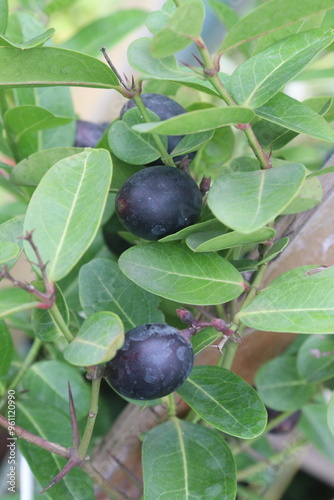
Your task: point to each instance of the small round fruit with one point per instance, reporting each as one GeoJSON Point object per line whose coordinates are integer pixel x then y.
{"type": "Point", "coordinates": [153, 362]}
{"type": "Point", "coordinates": [164, 107]}
{"type": "Point", "coordinates": [158, 201]}
{"type": "Point", "coordinates": [88, 134]}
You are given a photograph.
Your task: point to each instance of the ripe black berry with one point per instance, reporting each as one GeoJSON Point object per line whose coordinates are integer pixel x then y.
{"type": "Point", "coordinates": [153, 362]}
{"type": "Point", "coordinates": [88, 134]}
{"type": "Point", "coordinates": [158, 201]}
{"type": "Point", "coordinates": [164, 107]}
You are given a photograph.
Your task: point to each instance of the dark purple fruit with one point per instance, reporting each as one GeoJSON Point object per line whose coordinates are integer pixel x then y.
{"type": "Point", "coordinates": [287, 425]}
{"type": "Point", "coordinates": [164, 107]}
{"type": "Point", "coordinates": [153, 362]}
{"type": "Point", "coordinates": [88, 134]}
{"type": "Point", "coordinates": [158, 201]}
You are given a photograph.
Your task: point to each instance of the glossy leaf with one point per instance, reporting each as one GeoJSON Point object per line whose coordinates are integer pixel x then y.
{"type": "Point", "coordinates": [292, 114]}
{"type": "Point", "coordinates": [11, 231]}
{"type": "Point", "coordinates": [30, 171]}
{"type": "Point", "coordinates": [314, 426]}
{"type": "Point", "coordinates": [52, 66]}
{"type": "Point", "coordinates": [14, 300]}
{"type": "Point", "coordinates": [23, 120]}
{"type": "Point", "coordinates": [43, 323]}
{"type": "Point", "coordinates": [173, 455]}
{"type": "Point", "coordinates": [225, 13]}
{"type": "Point", "coordinates": [272, 16]}
{"type": "Point", "coordinates": [211, 158]}
{"type": "Point", "coordinates": [52, 424]}
{"type": "Point", "coordinates": [176, 273]}
{"type": "Point", "coordinates": [197, 121]}
{"type": "Point", "coordinates": [275, 250]}
{"type": "Point", "coordinates": [315, 359]}
{"type": "Point", "coordinates": [103, 287]}
{"type": "Point", "coordinates": [263, 75]}
{"type": "Point", "coordinates": [129, 145]}
{"type": "Point", "coordinates": [185, 23]}
{"type": "Point", "coordinates": [212, 241]}
{"type": "Point", "coordinates": [330, 415]}
{"type": "Point", "coordinates": [246, 201]}
{"type": "Point", "coordinates": [117, 25]}
{"type": "Point", "coordinates": [209, 225]}
{"type": "Point", "coordinates": [6, 354]}
{"type": "Point", "coordinates": [225, 401]}
{"type": "Point", "coordinates": [34, 42]}
{"type": "Point", "coordinates": [47, 382]}
{"type": "Point", "coordinates": [8, 251]}
{"type": "Point", "coordinates": [191, 143]}
{"type": "Point", "coordinates": [304, 304]}
{"type": "Point", "coordinates": [280, 386]}
{"type": "Point", "coordinates": [98, 339]}
{"type": "Point", "coordinates": [308, 197]}
{"type": "Point", "coordinates": [58, 209]}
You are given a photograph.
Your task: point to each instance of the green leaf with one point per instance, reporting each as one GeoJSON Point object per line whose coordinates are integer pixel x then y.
{"type": "Point", "coordinates": [224, 12]}
{"type": "Point", "coordinates": [14, 300]}
{"type": "Point", "coordinates": [173, 454]}
{"type": "Point", "coordinates": [314, 426]}
{"type": "Point", "coordinates": [103, 287]}
{"type": "Point", "coordinates": [315, 359]}
{"type": "Point", "coordinates": [51, 424]}
{"type": "Point", "coordinates": [49, 66]}
{"type": "Point", "coordinates": [272, 16]}
{"type": "Point", "coordinates": [191, 143]}
{"type": "Point", "coordinates": [225, 401]}
{"type": "Point", "coordinates": [129, 145]}
{"type": "Point", "coordinates": [8, 251]}
{"type": "Point", "coordinates": [43, 323]}
{"type": "Point", "coordinates": [30, 171]}
{"type": "Point", "coordinates": [6, 354]}
{"type": "Point", "coordinates": [3, 16]}
{"type": "Point", "coordinates": [58, 209]}
{"type": "Point", "coordinates": [106, 31]}
{"type": "Point", "coordinates": [204, 338]}
{"type": "Point", "coordinates": [308, 197]}
{"type": "Point", "coordinates": [23, 120]}
{"type": "Point", "coordinates": [34, 42]}
{"type": "Point", "coordinates": [280, 386]}
{"type": "Point", "coordinates": [290, 113]}
{"type": "Point", "coordinates": [214, 241]}
{"type": "Point", "coordinates": [246, 201]}
{"type": "Point", "coordinates": [176, 273]}
{"type": "Point", "coordinates": [11, 231]}
{"type": "Point", "coordinates": [197, 121]}
{"type": "Point", "coordinates": [186, 22]}
{"type": "Point", "coordinates": [263, 75]}
{"type": "Point", "coordinates": [209, 225]}
{"type": "Point", "coordinates": [47, 382]}
{"type": "Point", "coordinates": [330, 414]}
{"type": "Point", "coordinates": [303, 304]}
{"type": "Point", "coordinates": [99, 337]}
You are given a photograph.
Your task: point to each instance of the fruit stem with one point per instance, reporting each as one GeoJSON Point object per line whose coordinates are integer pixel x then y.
{"type": "Point", "coordinates": [93, 410]}
{"type": "Point", "coordinates": [164, 154]}
{"type": "Point", "coordinates": [59, 321]}
{"type": "Point", "coordinates": [171, 406]}
{"type": "Point", "coordinates": [211, 72]}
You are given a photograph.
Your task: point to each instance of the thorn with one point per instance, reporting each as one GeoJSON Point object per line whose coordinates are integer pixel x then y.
{"type": "Point", "coordinates": [74, 421]}
{"type": "Point", "coordinates": [69, 466]}
{"type": "Point", "coordinates": [200, 62]}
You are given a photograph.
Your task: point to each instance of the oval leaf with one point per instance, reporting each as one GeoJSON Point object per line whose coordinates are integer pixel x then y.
{"type": "Point", "coordinates": [14, 300]}
{"type": "Point", "coordinates": [263, 75]}
{"type": "Point", "coordinates": [246, 201]}
{"type": "Point", "coordinates": [52, 66]}
{"type": "Point", "coordinates": [98, 339]}
{"type": "Point", "coordinates": [210, 242]}
{"type": "Point", "coordinates": [176, 273]}
{"type": "Point", "coordinates": [172, 453]}
{"type": "Point", "coordinates": [225, 400]}
{"type": "Point", "coordinates": [301, 305]}
{"type": "Point", "coordinates": [66, 212]}
{"type": "Point", "coordinates": [198, 121]}
{"type": "Point", "coordinates": [11, 231]}
{"type": "Point", "coordinates": [43, 323]}
{"type": "Point", "coordinates": [280, 385]}
{"type": "Point", "coordinates": [314, 426]}
{"type": "Point", "coordinates": [8, 251]}
{"type": "Point", "coordinates": [315, 359]}
{"type": "Point", "coordinates": [103, 287]}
